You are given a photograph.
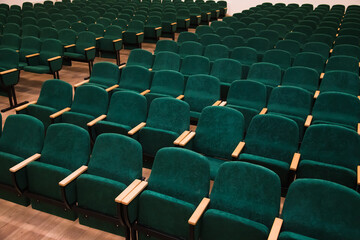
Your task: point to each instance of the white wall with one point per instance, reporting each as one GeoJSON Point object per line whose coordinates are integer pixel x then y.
{"type": "Point", "coordinates": [20, 2]}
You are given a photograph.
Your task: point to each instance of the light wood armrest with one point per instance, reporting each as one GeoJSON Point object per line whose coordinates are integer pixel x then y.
{"type": "Point", "coordinates": [217, 10]}
{"type": "Point", "coordinates": [198, 16]}
{"type": "Point", "coordinates": [295, 161]}
{"type": "Point", "coordinates": [73, 176]}
{"type": "Point", "coordinates": [117, 40]}
{"type": "Point", "coordinates": [140, 33]}
{"type": "Point", "coordinates": [23, 164]}
{"type": "Point", "coordinates": [225, 8]}
{"type": "Point", "coordinates": [223, 103]}
{"type": "Point", "coordinates": [275, 229]}
{"type": "Point", "coordinates": [174, 23]}
{"type": "Point", "coordinates": [187, 139]}
{"type": "Point", "coordinates": [69, 46]}
{"type": "Point", "coordinates": [57, 114]}
{"type": "Point", "coordinates": [145, 92]}
{"type": "Point", "coordinates": [263, 111]}
{"type": "Point", "coordinates": [180, 97]}
{"type": "Point", "coordinates": [359, 97]}
{"type": "Point", "coordinates": [127, 190]}
{"type": "Point", "coordinates": [93, 122]}
{"type": "Point", "coordinates": [133, 194]}
{"type": "Point", "coordinates": [158, 28]}
{"type": "Point", "coordinates": [89, 48]}
{"type": "Point", "coordinates": [358, 175]}
{"type": "Point", "coordinates": [17, 50]}
{"type": "Point", "coordinates": [209, 13]}
{"type": "Point", "coordinates": [358, 128]}
{"type": "Point", "coordinates": [317, 92]}
{"type": "Point", "coordinates": [8, 71]}
{"type": "Point", "coordinates": [24, 106]}
{"type": "Point", "coordinates": [98, 38]}
{"type": "Point", "coordinates": [81, 83]}
{"type": "Point", "coordinates": [54, 58]}
{"type": "Point", "coordinates": [187, 19]}
{"type": "Point", "coordinates": [123, 31]}
{"type": "Point", "coordinates": [181, 137]}
{"type": "Point", "coordinates": [322, 75]}
{"type": "Point", "coordinates": [109, 89]}
{"type": "Point", "coordinates": [122, 66]}
{"type": "Point", "coordinates": [217, 103]}
{"type": "Point", "coordinates": [238, 149]}
{"type": "Point", "coordinates": [308, 120]}
{"type": "Point", "coordinates": [199, 211]}
{"type": "Point", "coordinates": [331, 50]}
{"type": "Point", "coordinates": [32, 55]}
{"type": "Point", "coordinates": [137, 128]}
{"type": "Point", "coordinates": [359, 64]}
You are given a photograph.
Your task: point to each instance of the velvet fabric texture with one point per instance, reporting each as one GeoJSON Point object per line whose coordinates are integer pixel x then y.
{"type": "Point", "coordinates": [292, 46]}
{"type": "Point", "coordinates": [187, 37]}
{"type": "Point", "coordinates": [29, 45]}
{"type": "Point", "coordinates": [307, 215]}
{"type": "Point", "coordinates": [297, 36]}
{"type": "Point", "coordinates": [202, 65]}
{"type": "Point", "coordinates": [140, 57]}
{"type": "Point", "coordinates": [331, 153]}
{"type": "Point", "coordinates": [310, 60]}
{"type": "Point", "coordinates": [279, 57]}
{"type": "Point", "coordinates": [210, 38]}
{"type": "Point", "coordinates": [112, 32]}
{"type": "Point", "coordinates": [150, 33]}
{"type": "Point", "coordinates": [246, 56]}
{"type": "Point", "coordinates": [134, 27]}
{"type": "Point", "coordinates": [166, 61]}
{"type": "Point", "coordinates": [167, 29]}
{"type": "Point", "coordinates": [216, 51]}
{"type": "Point", "coordinates": [10, 40]}
{"type": "Point", "coordinates": [189, 48]}
{"type": "Point", "coordinates": [318, 47]}
{"type": "Point", "coordinates": [242, 204]}
{"type": "Point", "coordinates": [266, 73]}
{"type": "Point", "coordinates": [340, 81]}
{"type": "Point", "coordinates": [67, 36]}
{"type": "Point", "coordinates": [104, 74]}
{"type": "Point", "coordinates": [84, 40]}
{"type": "Point", "coordinates": [233, 41]}
{"type": "Point", "coordinates": [135, 78]}
{"type": "Point", "coordinates": [345, 63]}
{"type": "Point", "coordinates": [303, 77]}
{"type": "Point", "coordinates": [347, 50]}
{"type": "Point", "coordinates": [166, 45]}
{"type": "Point", "coordinates": [271, 141]}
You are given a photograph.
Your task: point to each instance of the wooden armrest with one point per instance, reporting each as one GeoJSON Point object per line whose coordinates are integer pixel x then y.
{"type": "Point", "coordinates": [275, 229]}
{"type": "Point", "coordinates": [199, 211]}
{"type": "Point", "coordinates": [322, 75]}
{"type": "Point", "coordinates": [73, 176]}
{"type": "Point", "coordinates": [93, 122]}
{"type": "Point", "coordinates": [158, 28]}
{"type": "Point", "coordinates": [295, 161]}
{"type": "Point", "coordinates": [359, 97]}
{"type": "Point", "coordinates": [187, 19]}
{"type": "Point", "coordinates": [109, 89]}
{"type": "Point", "coordinates": [32, 55]}
{"type": "Point", "coordinates": [150, 69]}
{"type": "Point", "coordinates": [17, 50]}
{"type": "Point", "coordinates": [263, 111]}
{"type": "Point", "coordinates": [238, 149]}
{"type": "Point", "coordinates": [225, 8]}
{"type": "Point", "coordinates": [198, 16]}
{"type": "Point", "coordinates": [140, 33]}
{"type": "Point", "coordinates": [223, 103]}
{"type": "Point", "coordinates": [133, 194]}
{"type": "Point", "coordinates": [180, 97]}
{"type": "Point", "coordinates": [54, 58]}
{"type": "Point", "coordinates": [69, 46]}
{"type": "Point", "coordinates": [81, 83]}
{"type": "Point", "coordinates": [217, 103]}
{"type": "Point", "coordinates": [117, 40]}
{"type": "Point", "coordinates": [8, 71]}
{"type": "Point", "coordinates": [316, 94]}
{"type": "Point", "coordinates": [358, 128]}
{"type": "Point", "coordinates": [24, 106]}
{"type": "Point", "coordinates": [181, 137]}
{"type": "Point", "coordinates": [217, 10]}
{"type": "Point", "coordinates": [145, 92]}
{"type": "Point", "coordinates": [123, 31]}
{"type": "Point", "coordinates": [98, 38]}
{"type": "Point", "coordinates": [127, 190]}
{"type": "Point", "coordinates": [308, 121]}
{"type": "Point", "coordinates": [174, 23]}
{"type": "Point", "coordinates": [359, 64]}
{"type": "Point", "coordinates": [122, 66]}
{"type": "Point", "coordinates": [57, 114]}
{"type": "Point", "coordinates": [208, 13]}
{"type": "Point", "coordinates": [89, 48]}
{"type": "Point", "coordinates": [137, 128]}
{"type": "Point", "coordinates": [358, 175]}
{"type": "Point", "coordinates": [187, 139]}
{"type": "Point", "coordinates": [331, 50]}
{"type": "Point", "coordinates": [23, 164]}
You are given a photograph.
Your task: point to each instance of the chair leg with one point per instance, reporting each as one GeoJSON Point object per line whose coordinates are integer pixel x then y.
{"type": "Point", "coordinates": [58, 75]}
{"type": "Point", "coordinates": [133, 234]}
{"type": "Point", "coordinates": [12, 100]}
{"type": "Point", "coordinates": [54, 74]}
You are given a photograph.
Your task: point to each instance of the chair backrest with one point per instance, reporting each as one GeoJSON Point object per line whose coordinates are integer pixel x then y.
{"type": "Point", "coordinates": [233, 42]}
{"type": "Point", "coordinates": [304, 77]}
{"type": "Point", "coordinates": [136, 78]}
{"type": "Point", "coordinates": [29, 45]}
{"type": "Point", "coordinates": [346, 50]}
{"type": "Point", "coordinates": [187, 36]}
{"type": "Point", "coordinates": [267, 73]}
{"type": "Point", "coordinates": [226, 70]}
{"type": "Point", "coordinates": [190, 48]}
{"type": "Point", "coordinates": [166, 61]}
{"type": "Point", "coordinates": [317, 47]}
{"type": "Point", "coordinates": [136, 26]}
{"type": "Point", "coordinates": [216, 51]}
{"type": "Point", "coordinates": [56, 94]}
{"type": "Point", "coordinates": [113, 32]}
{"type": "Point", "coordinates": [210, 38]}
{"type": "Point", "coordinates": [48, 33]}
{"type": "Point", "coordinates": [200, 30]}
{"type": "Point", "coordinates": [224, 32]}
{"type": "Point", "coordinates": [62, 24]}
{"type": "Point", "coordinates": [85, 39]}
{"type": "Point", "coordinates": [279, 57]}
{"type": "Point", "coordinates": [84, 101]}
{"type": "Point", "coordinates": [246, 33]}
{"type": "Point", "coordinates": [67, 36]}
{"type": "Point", "coordinates": [97, 29]}
{"type": "Point", "coordinates": [166, 45]}
{"type": "Point", "coordinates": [50, 48]}
{"type": "Point", "coordinates": [168, 82]}
{"type": "Point", "coordinates": [140, 57]}
{"type": "Point", "coordinates": [345, 63]}
{"type": "Point", "coordinates": [293, 47]}
{"type": "Point", "coordinates": [311, 60]}
{"type": "Point", "coordinates": [202, 65]}
{"type": "Point", "coordinates": [340, 81]}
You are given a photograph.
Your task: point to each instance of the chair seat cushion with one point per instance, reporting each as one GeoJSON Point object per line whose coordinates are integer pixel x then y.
{"type": "Point", "coordinates": [78, 119]}
{"type": "Point", "coordinates": [37, 69]}
{"type": "Point", "coordinates": [7, 161]}
{"type": "Point", "coordinates": [110, 127]}
{"type": "Point", "coordinates": [316, 121]}
{"type": "Point", "coordinates": [293, 236]}
{"type": "Point", "coordinates": [41, 112]}
{"type": "Point", "coordinates": [75, 56]}
{"type": "Point", "coordinates": [215, 164]}
{"type": "Point", "coordinates": [194, 114]}
{"type": "Point", "coordinates": [22, 65]}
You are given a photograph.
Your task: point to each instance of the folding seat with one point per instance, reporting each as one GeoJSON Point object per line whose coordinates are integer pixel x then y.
{"type": "Point", "coordinates": [30, 31]}
{"type": "Point", "coordinates": [303, 77]}
{"type": "Point", "coordinates": [169, 25]}
{"type": "Point", "coordinates": [210, 38]}
{"type": "Point", "coordinates": [246, 56]}
{"type": "Point", "coordinates": [12, 28]}
{"type": "Point", "coordinates": [134, 35]}
{"type": "Point", "coordinates": [200, 30]}
{"type": "Point", "coordinates": [233, 42]}
{"type": "Point", "coordinates": [224, 32]}
{"type": "Point", "coordinates": [97, 29]}
{"type": "Point", "coordinates": [260, 44]}
{"type": "Point", "coordinates": [140, 57]}
{"type": "Point", "coordinates": [229, 20]}
{"type": "Point", "coordinates": [48, 33]}
{"type": "Point", "coordinates": [291, 46]}
{"type": "Point", "coordinates": [214, 9]}
{"type": "Point", "coordinates": [71, 18]}
{"type": "Point", "coordinates": [28, 21]}
{"type": "Point", "coordinates": [322, 157]}
{"type": "Point", "coordinates": [153, 29]}
{"type": "Point", "coordinates": [135, 78]}
{"type": "Point", "coordinates": [183, 20]}
{"type": "Point", "coordinates": [311, 60]}
{"type": "Point", "coordinates": [257, 27]}
{"type": "Point", "coordinates": [350, 32]}
{"type": "Point", "coordinates": [61, 24]}
{"type": "Point", "coordinates": [104, 21]}
{"type": "Point", "coordinates": [29, 45]}
{"type": "Point", "coordinates": [346, 50]}
{"type": "Point", "coordinates": [270, 35]}
{"type": "Point", "coordinates": [187, 36]}
{"type": "Point", "coordinates": [199, 97]}
{"type": "Point", "coordinates": [344, 63]}
{"type": "Point", "coordinates": [266, 73]}
{"type": "Point", "coordinates": [67, 37]}
{"type": "Point", "coordinates": [202, 65]}
{"type": "Point", "coordinates": [279, 57]}
{"type": "Point", "coordinates": [234, 188]}
{"type": "Point", "coordinates": [326, 30]}
{"type": "Point", "coordinates": [346, 39]}
{"type": "Point", "coordinates": [139, 17]}
{"type": "Point", "coordinates": [177, 206]}
{"type": "Point", "coordinates": [216, 51]}
{"type": "Point", "coordinates": [190, 48]}
{"type": "Point", "coordinates": [111, 44]}
{"type": "Point", "coordinates": [317, 47]}
{"type": "Point", "coordinates": [166, 61]}
{"type": "Point", "coordinates": [205, 14]}
{"type": "Point", "coordinates": [22, 138]}
{"type": "Point", "coordinates": [216, 24]}
{"type": "Point", "coordinates": [195, 16]}
{"type": "Point", "coordinates": [48, 60]}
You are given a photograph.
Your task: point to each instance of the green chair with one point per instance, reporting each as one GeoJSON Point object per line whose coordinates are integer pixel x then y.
{"type": "Point", "coordinates": [104, 21]}
{"type": "Point", "coordinates": [216, 51]}
{"type": "Point", "coordinates": [270, 35]}
{"type": "Point", "coordinates": [310, 60]}
{"type": "Point", "coordinates": [260, 44]}
{"type": "Point", "coordinates": [30, 31]}
{"type": "Point", "coordinates": [340, 81]}
{"type": "Point", "coordinates": [317, 47]}
{"type": "Point", "coordinates": [88, 20]}
{"type": "Point", "coordinates": [291, 46]}
{"type": "Point", "coordinates": [44, 22]}
{"type": "Point", "coordinates": [246, 56]}
{"type": "Point", "coordinates": [67, 37]}
{"type": "Point", "coordinates": [187, 65]}
{"type": "Point", "coordinates": [187, 36]}
{"type": "Point", "coordinates": [195, 16]}
{"type": "Point", "coordinates": [233, 42]}
{"type": "Point", "coordinates": [322, 38]}
{"type": "Point", "coordinates": [303, 77]}
{"type": "Point", "coordinates": [237, 25]}
{"type": "Point", "coordinates": [190, 48]}
{"type": "Point", "coordinates": [120, 22]}
{"type": "Point", "coordinates": [12, 28]}
{"type": "Point", "coordinates": [301, 38]}
{"type": "Point", "coordinates": [257, 27]}
{"type": "Point", "coordinates": [266, 73]}
{"type": "Point", "coordinates": [200, 30]}
{"type": "Point", "coordinates": [111, 43]}
{"type": "Point", "coordinates": [344, 63]}
{"type": "Point", "coordinates": [78, 27]}
{"type": "Point", "coordinates": [246, 33]}
{"type": "Point", "coordinates": [135, 78]}
{"type": "Point", "coordinates": [346, 39]}
{"type": "Point", "coordinates": [48, 61]}
{"type": "Point", "coordinates": [166, 45]}
{"type": "Point", "coordinates": [216, 24]}
{"type": "Point", "coordinates": [233, 210]}
{"type": "Point", "coordinates": [122, 169]}
{"type": "Point", "coordinates": [134, 35]}
{"type": "Point", "coordinates": [279, 57]}
{"type": "Point", "coordinates": [169, 25]}
{"type": "Point", "coordinates": [29, 45]}
{"type": "Point", "coordinates": [205, 14]}
{"type": "Point", "coordinates": [183, 20]}
{"type": "Point", "coordinates": [166, 61]}
{"type": "Point", "coordinates": [223, 9]}
{"type": "Point", "coordinates": [224, 32]}
{"type": "Point", "coordinates": [210, 38]}
{"type": "Point", "coordinates": [346, 50]}
{"type": "Point", "coordinates": [140, 57]}
{"type": "Point", "coordinates": [22, 138]}
{"type": "Point", "coordinates": [48, 33]}
{"type": "Point", "coordinates": [230, 19]}
{"type": "Point", "coordinates": [11, 41]}
{"type": "Point", "coordinates": [153, 29]}
{"type": "Point", "coordinates": [303, 29]}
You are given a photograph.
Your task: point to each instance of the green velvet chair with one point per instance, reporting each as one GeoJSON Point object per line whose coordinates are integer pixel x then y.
{"type": "Point", "coordinates": [330, 153]}
{"type": "Point", "coordinates": [279, 57]}
{"type": "Point", "coordinates": [307, 30]}
{"type": "Point", "coordinates": [83, 50]}
{"type": "Point", "coordinates": [239, 189]}
{"type": "Point", "coordinates": [340, 81]}
{"type": "Point", "coordinates": [292, 46]}
{"type": "Point", "coordinates": [233, 42]}
{"type": "Point", "coordinates": [48, 33]}
{"type": "Point", "coordinates": [66, 149]}
{"type": "Point", "coordinates": [272, 141]}
{"type": "Point", "coordinates": [303, 77]}
{"type": "Point", "coordinates": [257, 27]}
{"type": "Point", "coordinates": [210, 38]}
{"type": "Point", "coordinates": [11, 41]}
{"type": "Point", "coordinates": [126, 110]}
{"type": "Point", "coordinates": [346, 50]}
{"type": "Point", "coordinates": [61, 24]}
{"type": "Point", "coordinates": [169, 25]}
{"type": "Point", "coordinates": [205, 14]}
{"type": "Point", "coordinates": [246, 56]}
{"type": "Point", "coordinates": [183, 20]}
{"type": "Point", "coordinates": [140, 57]}
{"type": "Point", "coordinates": [345, 63]}
{"type": "Point", "coordinates": [201, 91]}
{"type": "Point", "coordinates": [164, 124]}
{"type": "Point", "coordinates": [216, 51]}
{"type": "Point", "coordinates": [55, 95]}
{"type": "Point", "coordinates": [223, 9]}
{"type": "Point", "coordinates": [260, 44]}
{"type": "Point", "coordinates": [216, 24]}
{"type": "Point", "coordinates": [189, 48]}
{"type": "Point", "coordinates": [152, 30]}
{"type": "Point", "coordinates": [173, 192]}
{"type": "Point", "coordinates": [322, 38]}
{"type": "Point", "coordinates": [134, 35]}
{"type": "Point", "coordinates": [246, 33]}
{"type": "Point", "coordinates": [306, 198]}
{"type": "Point", "coordinates": [317, 47]}
{"type": "Point", "coordinates": [12, 28]}
{"type": "Point", "coordinates": [78, 27]}
{"type": "Point", "coordinates": [270, 35]}
{"type": "Point", "coordinates": [166, 45]}
{"type": "Point", "coordinates": [224, 32]}
{"type": "Point", "coordinates": [44, 22]}
{"type": "Point", "coordinates": [187, 65]}
{"type": "Point", "coordinates": [30, 31]}
{"type": "Point", "coordinates": [67, 37]}
{"type": "Point", "coordinates": [195, 16]}
{"type": "Point", "coordinates": [135, 78]}
{"type": "Point", "coordinates": [48, 60]}
{"type": "Point", "coordinates": [347, 39]}
{"type": "Point", "coordinates": [115, 164]}
{"type": "Point", "coordinates": [166, 61]}
{"type": "Point", "coordinates": [29, 45]}
{"type": "Point", "coordinates": [311, 60]}
{"type": "Point", "coordinates": [187, 36]}
{"type": "Point", "coordinates": [22, 138]}
{"type": "Point", "coordinates": [111, 44]}
{"type": "Point", "coordinates": [203, 29]}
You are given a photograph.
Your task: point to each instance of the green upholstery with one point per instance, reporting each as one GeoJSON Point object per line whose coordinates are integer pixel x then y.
{"type": "Point", "coordinates": [266, 73]}
{"type": "Point", "coordinates": [166, 61]}
{"type": "Point", "coordinates": [224, 32]}
{"type": "Point", "coordinates": [322, 38]}
{"type": "Point", "coordinates": [246, 56]}
{"type": "Point", "coordinates": [205, 16]}
{"type": "Point", "coordinates": [48, 33]}
{"type": "Point", "coordinates": [135, 78]}
{"type": "Point", "coordinates": [258, 27]}
{"type": "Point", "coordinates": [210, 38]}
{"type": "Point", "coordinates": [29, 45]}
{"type": "Point", "coordinates": [107, 46]}
{"type": "Point", "coordinates": [174, 191]}
{"type": "Point", "coordinates": [233, 42]}
{"type": "Point", "coordinates": [271, 141]}
{"type": "Point", "coordinates": [44, 22]}
{"type": "Point", "coordinates": [218, 132]}
{"type": "Point", "coordinates": [303, 77]}
{"type": "Point", "coordinates": [345, 63]}
{"type": "Point", "coordinates": [260, 44]}
{"type": "Point", "coordinates": [67, 36]}
{"type": "Point", "coordinates": [183, 20]}
{"type": "Point", "coordinates": [104, 74]}
{"type": "Point", "coordinates": [246, 33]}
{"type": "Point", "coordinates": [307, 30]}
{"type": "Point", "coordinates": [347, 39]}
{"type": "Point", "coordinates": [337, 108]}
{"type": "Point", "coordinates": [216, 24]}
{"type": "Point", "coordinates": [279, 57]}
{"type": "Point", "coordinates": [190, 48]}
{"type": "Point", "coordinates": [340, 81]}
{"type": "Point", "coordinates": [201, 30]}
{"type": "Point", "coordinates": [11, 41]}
{"type": "Point", "coordinates": [202, 65]}
{"type": "Point", "coordinates": [116, 161]}
{"type": "Point", "coordinates": [347, 50]}
{"type": "Point", "coordinates": [331, 153]}
{"type": "Point", "coordinates": [270, 35]}
{"type": "Point", "coordinates": [166, 45]}
{"type": "Point", "coordinates": [237, 193]}
{"type": "Point", "coordinates": [292, 46]}
{"type": "Point", "coordinates": [12, 28]}
{"type": "Point", "coordinates": [78, 53]}
{"type": "Point", "coordinates": [195, 16]}
{"type": "Point", "coordinates": [309, 215]}
{"type": "Point", "coordinates": [126, 110]}
{"type": "Point", "coordinates": [130, 37]}
{"type": "Point", "coordinates": [317, 47]}
{"type": "Point", "coordinates": [78, 27]}
{"type": "Point", "coordinates": [85, 107]}
{"type": "Point", "coordinates": [30, 30]}
{"type": "Point", "coordinates": [168, 24]}
{"type": "Point", "coordinates": [66, 148]}
{"type": "Point", "coordinates": [167, 119]}
{"type": "Point", "coordinates": [216, 51]}
{"type": "Point", "coordinates": [151, 34]}
{"type": "Point", "coordinates": [140, 57]}
{"type": "Point", "coordinates": [187, 36]}
{"type": "Point", "coordinates": [61, 24]}
{"type": "Point", "coordinates": [311, 60]}
{"type": "Point", "coordinates": [201, 90]}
